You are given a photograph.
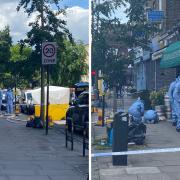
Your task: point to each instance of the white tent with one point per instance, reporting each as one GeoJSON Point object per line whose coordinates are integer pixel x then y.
{"type": "Point", "coordinates": [57, 95]}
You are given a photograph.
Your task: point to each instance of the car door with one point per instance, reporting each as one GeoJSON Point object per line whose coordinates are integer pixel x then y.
{"type": "Point", "coordinates": [81, 110]}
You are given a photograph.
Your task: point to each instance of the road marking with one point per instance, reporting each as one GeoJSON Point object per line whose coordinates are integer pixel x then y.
{"type": "Point", "coordinates": [149, 151]}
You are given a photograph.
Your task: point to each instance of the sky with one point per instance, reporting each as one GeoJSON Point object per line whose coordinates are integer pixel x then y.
{"type": "Point", "coordinates": [119, 13]}
{"type": "Point", "coordinates": [71, 3]}
{"type": "Point", "coordinates": [77, 19]}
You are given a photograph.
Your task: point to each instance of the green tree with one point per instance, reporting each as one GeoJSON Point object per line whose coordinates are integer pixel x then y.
{"type": "Point", "coordinates": [107, 57]}
{"type": "Point", "coordinates": [111, 38]}
{"type": "Point", "coordinates": [5, 44]}
{"type": "Point", "coordinates": [71, 64]}
{"type": "Point", "coordinates": [47, 27]}
{"type": "Point", "coordinates": [21, 70]}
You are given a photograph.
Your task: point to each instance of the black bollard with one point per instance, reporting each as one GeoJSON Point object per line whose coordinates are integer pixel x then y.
{"type": "Point", "coordinates": [120, 138]}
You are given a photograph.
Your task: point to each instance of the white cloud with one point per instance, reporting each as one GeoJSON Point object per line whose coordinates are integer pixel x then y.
{"type": "Point", "coordinates": [77, 21]}
{"type": "Point", "coordinates": [16, 20]}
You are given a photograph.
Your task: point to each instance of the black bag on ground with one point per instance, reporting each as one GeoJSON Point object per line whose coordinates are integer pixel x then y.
{"type": "Point", "coordinates": [30, 123]}
{"type": "Point", "coordinates": [35, 123]}
{"type": "Point", "coordinates": [137, 133]}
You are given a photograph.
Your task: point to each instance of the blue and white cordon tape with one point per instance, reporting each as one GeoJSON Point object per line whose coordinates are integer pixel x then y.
{"type": "Point", "coordinates": [149, 151]}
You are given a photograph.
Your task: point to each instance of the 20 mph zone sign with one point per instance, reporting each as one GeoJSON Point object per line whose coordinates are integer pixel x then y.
{"type": "Point", "coordinates": [49, 53]}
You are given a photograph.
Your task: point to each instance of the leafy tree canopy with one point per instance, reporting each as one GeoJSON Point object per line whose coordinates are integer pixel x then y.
{"type": "Point", "coordinates": [71, 64]}
{"type": "Point", "coordinates": [112, 39]}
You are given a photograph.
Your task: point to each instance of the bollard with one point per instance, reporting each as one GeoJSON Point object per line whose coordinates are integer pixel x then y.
{"type": "Point", "coordinates": [66, 135]}
{"type": "Point", "coordinates": [84, 140]}
{"type": "Point", "coordinates": [120, 138]}
{"type": "Point", "coordinates": [72, 135]}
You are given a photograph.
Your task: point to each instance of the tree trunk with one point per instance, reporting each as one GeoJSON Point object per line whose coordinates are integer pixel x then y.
{"type": "Point", "coordinates": [114, 100]}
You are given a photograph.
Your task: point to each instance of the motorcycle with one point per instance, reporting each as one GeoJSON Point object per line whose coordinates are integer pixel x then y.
{"type": "Point", "coordinates": [137, 132]}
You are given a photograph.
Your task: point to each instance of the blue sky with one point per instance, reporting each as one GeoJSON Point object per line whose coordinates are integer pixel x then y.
{"type": "Point", "coordinates": [71, 3]}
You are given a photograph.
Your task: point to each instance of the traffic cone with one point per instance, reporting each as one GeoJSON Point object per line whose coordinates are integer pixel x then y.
{"type": "Point", "coordinates": [17, 111]}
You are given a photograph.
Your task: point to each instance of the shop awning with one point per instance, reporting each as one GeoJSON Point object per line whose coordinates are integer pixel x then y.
{"type": "Point", "coordinates": [171, 56]}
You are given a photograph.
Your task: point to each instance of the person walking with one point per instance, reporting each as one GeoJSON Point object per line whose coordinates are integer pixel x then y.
{"type": "Point", "coordinates": [176, 96]}
{"type": "Point", "coordinates": [9, 101]}
{"type": "Point", "coordinates": [170, 94]}
{"type": "Point", "coordinates": [1, 96]}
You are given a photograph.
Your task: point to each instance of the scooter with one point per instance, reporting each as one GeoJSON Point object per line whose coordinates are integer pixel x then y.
{"type": "Point", "coordinates": [137, 132]}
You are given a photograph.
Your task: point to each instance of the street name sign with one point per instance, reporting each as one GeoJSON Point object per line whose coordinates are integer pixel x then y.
{"type": "Point", "coordinates": [49, 53]}
{"type": "Point", "coordinates": [155, 15]}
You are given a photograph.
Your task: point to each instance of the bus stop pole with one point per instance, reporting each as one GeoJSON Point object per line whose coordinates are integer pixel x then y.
{"type": "Point", "coordinates": [47, 103]}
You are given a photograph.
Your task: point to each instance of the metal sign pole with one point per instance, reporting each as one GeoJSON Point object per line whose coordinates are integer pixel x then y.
{"type": "Point", "coordinates": [15, 92]}
{"type": "Point", "coordinates": [49, 57]}
{"type": "Point", "coordinates": [47, 103]}
{"type": "Point", "coordinates": [103, 109]}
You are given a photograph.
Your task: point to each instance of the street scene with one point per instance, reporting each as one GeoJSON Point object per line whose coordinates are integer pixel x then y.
{"type": "Point", "coordinates": [135, 120]}
{"type": "Point", "coordinates": [44, 90]}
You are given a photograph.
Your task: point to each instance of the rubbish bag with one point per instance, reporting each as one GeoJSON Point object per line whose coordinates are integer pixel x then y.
{"type": "Point", "coordinates": [35, 123]}
{"type": "Point", "coordinates": [151, 116]}
{"type": "Point", "coordinates": [30, 124]}
{"type": "Point", "coordinates": [137, 133]}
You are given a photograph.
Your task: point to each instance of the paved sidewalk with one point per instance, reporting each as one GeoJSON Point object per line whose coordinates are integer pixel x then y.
{"type": "Point", "coordinates": [164, 166]}
{"type": "Point", "coordinates": [27, 154]}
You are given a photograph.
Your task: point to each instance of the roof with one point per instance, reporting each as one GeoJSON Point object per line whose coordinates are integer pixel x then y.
{"type": "Point", "coordinates": [82, 84]}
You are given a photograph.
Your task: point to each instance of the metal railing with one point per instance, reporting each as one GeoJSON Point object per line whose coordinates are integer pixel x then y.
{"type": "Point", "coordinates": [70, 137]}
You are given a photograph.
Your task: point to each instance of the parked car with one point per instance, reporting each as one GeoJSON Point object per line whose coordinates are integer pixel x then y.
{"type": "Point", "coordinates": [27, 106]}
{"type": "Point", "coordinates": [78, 113]}
{"type": "Point", "coordinates": [81, 87]}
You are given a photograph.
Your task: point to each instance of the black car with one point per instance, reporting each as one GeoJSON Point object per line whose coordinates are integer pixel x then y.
{"type": "Point", "coordinates": [78, 113]}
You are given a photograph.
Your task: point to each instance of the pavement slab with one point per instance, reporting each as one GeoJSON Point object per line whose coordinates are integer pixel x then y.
{"type": "Point", "coordinates": [142, 170]}
{"type": "Point", "coordinates": [159, 176]}
{"type": "Point", "coordinates": [122, 177]}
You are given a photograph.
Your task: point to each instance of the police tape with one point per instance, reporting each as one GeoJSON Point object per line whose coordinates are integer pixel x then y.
{"type": "Point", "coordinates": [149, 151]}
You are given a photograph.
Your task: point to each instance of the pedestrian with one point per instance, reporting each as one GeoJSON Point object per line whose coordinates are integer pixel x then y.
{"type": "Point", "coordinates": [9, 101]}
{"type": "Point", "coordinates": [176, 96]}
{"type": "Point", "coordinates": [170, 94]}
{"type": "Point", "coordinates": [137, 111]}
{"type": "Point", "coordinates": [1, 96]}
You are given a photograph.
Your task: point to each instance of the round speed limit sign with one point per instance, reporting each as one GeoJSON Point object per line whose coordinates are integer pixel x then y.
{"type": "Point", "coordinates": [49, 52]}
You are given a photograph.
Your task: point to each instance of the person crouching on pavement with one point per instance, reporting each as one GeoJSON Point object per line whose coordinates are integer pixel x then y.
{"type": "Point", "coordinates": [9, 101]}
{"type": "Point", "coordinates": [136, 110]}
